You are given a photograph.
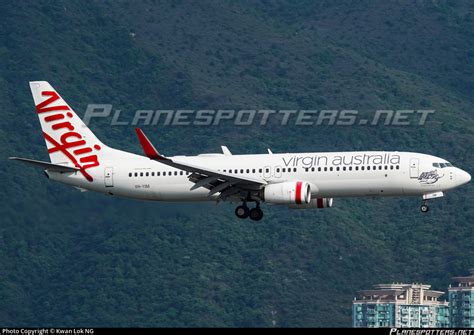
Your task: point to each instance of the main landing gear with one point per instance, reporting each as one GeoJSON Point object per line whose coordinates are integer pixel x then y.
{"type": "Point", "coordinates": [244, 212]}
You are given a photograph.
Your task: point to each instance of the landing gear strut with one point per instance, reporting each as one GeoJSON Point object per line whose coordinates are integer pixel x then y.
{"type": "Point", "coordinates": [424, 207]}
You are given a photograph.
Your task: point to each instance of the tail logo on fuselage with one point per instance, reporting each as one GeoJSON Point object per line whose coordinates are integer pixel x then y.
{"type": "Point", "coordinates": [69, 139]}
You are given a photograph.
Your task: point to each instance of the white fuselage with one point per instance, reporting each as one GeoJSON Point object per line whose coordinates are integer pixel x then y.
{"type": "Point", "coordinates": [331, 174]}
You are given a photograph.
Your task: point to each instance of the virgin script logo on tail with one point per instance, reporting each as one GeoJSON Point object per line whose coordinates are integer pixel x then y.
{"type": "Point", "coordinates": [71, 143]}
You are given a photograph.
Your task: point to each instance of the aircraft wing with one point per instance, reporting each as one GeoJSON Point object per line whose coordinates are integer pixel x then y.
{"type": "Point", "coordinates": [216, 181]}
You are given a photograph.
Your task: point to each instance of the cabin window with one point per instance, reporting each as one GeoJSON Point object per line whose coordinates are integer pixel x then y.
{"type": "Point", "coordinates": [176, 173]}
{"type": "Point", "coordinates": [141, 174]}
{"type": "Point", "coordinates": [277, 170]}
{"type": "Point", "coordinates": [236, 171]}
{"type": "Point", "coordinates": [181, 173]}
{"type": "Point", "coordinates": [267, 170]}
{"type": "Point", "coordinates": [136, 174]}
{"type": "Point", "coordinates": [259, 170]}
{"type": "Point", "coordinates": [386, 167]}
{"type": "Point", "coordinates": [350, 168]}
{"type": "Point", "coordinates": [130, 174]}
{"type": "Point", "coordinates": [357, 168]}
{"type": "Point", "coordinates": [253, 170]}
{"type": "Point", "coordinates": [241, 170]}
{"type": "Point", "coordinates": [170, 173]}
{"type": "Point", "coordinates": [337, 168]}
{"type": "Point", "coordinates": [312, 169]}
{"type": "Point", "coordinates": [397, 167]}
{"type": "Point", "coordinates": [294, 169]}
{"type": "Point", "coordinates": [344, 168]}
{"type": "Point", "coordinates": [158, 174]}
{"type": "Point", "coordinates": [330, 169]}
{"type": "Point", "coordinates": [147, 174]}
{"type": "Point", "coordinates": [319, 169]}
{"type": "Point", "coordinates": [325, 169]}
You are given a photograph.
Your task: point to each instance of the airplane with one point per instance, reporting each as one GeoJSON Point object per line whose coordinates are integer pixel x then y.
{"type": "Point", "coordinates": [297, 180]}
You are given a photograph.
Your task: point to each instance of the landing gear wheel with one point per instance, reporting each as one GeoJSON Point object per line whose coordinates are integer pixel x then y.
{"type": "Point", "coordinates": [242, 212]}
{"type": "Point", "coordinates": [424, 208]}
{"type": "Point", "coordinates": [256, 214]}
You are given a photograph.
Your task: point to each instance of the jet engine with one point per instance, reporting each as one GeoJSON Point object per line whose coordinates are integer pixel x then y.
{"type": "Point", "coordinates": [287, 193]}
{"type": "Point", "coordinates": [314, 203]}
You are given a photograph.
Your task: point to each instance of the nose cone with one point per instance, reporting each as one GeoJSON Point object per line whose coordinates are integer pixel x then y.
{"type": "Point", "coordinates": [463, 177]}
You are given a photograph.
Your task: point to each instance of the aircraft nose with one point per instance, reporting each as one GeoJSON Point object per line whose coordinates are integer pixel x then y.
{"type": "Point", "coordinates": [463, 177]}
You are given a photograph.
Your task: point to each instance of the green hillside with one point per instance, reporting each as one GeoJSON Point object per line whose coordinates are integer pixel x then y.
{"type": "Point", "coordinates": [81, 259]}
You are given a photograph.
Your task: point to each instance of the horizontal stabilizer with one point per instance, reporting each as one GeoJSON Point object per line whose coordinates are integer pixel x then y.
{"type": "Point", "coordinates": [46, 165]}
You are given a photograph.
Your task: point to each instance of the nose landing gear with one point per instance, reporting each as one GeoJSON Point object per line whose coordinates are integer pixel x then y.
{"type": "Point", "coordinates": [424, 207]}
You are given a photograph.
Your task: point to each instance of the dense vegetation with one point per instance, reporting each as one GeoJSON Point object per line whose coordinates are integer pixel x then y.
{"type": "Point", "coordinates": [75, 259]}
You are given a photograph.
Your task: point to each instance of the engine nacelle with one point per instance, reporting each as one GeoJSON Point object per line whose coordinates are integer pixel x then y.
{"type": "Point", "coordinates": [314, 203]}
{"type": "Point", "coordinates": [291, 192]}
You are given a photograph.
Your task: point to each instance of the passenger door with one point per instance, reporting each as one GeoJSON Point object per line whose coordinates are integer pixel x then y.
{"type": "Point", "coordinates": [109, 177]}
{"type": "Point", "coordinates": [414, 168]}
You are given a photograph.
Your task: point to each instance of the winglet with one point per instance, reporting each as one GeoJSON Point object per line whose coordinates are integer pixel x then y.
{"type": "Point", "coordinates": [147, 146]}
{"type": "Point", "coordinates": [226, 151]}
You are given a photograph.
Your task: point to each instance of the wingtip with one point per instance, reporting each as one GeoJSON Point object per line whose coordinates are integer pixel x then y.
{"type": "Point", "coordinates": [147, 146]}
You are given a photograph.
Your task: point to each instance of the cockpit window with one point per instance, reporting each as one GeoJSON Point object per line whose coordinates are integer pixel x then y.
{"type": "Point", "coordinates": [442, 165]}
